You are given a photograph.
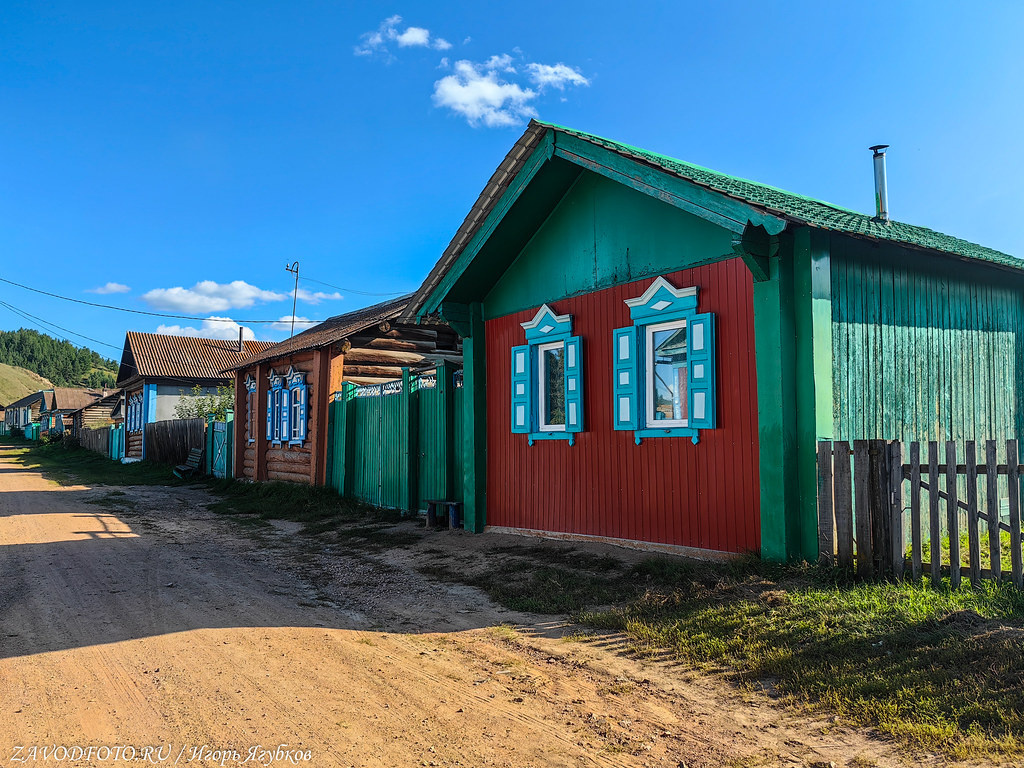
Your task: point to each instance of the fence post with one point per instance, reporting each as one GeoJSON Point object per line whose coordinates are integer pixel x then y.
{"type": "Point", "coordinates": [1013, 484]}
{"type": "Point", "coordinates": [410, 484]}
{"type": "Point", "coordinates": [208, 463]}
{"type": "Point", "coordinates": [973, 538]}
{"type": "Point", "coordinates": [992, 508]}
{"type": "Point", "coordinates": [880, 502]}
{"type": "Point", "coordinates": [952, 515]}
{"type": "Point", "coordinates": [229, 446]}
{"type": "Point", "coordinates": [825, 545]}
{"type": "Point", "coordinates": [934, 532]}
{"type": "Point", "coordinates": [862, 499]}
{"type": "Point", "coordinates": [446, 397]}
{"type": "Point", "coordinates": [843, 503]}
{"type": "Point", "coordinates": [339, 423]}
{"type": "Point", "coordinates": [895, 463]}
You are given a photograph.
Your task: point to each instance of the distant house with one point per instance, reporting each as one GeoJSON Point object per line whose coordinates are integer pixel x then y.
{"type": "Point", "coordinates": [282, 394]}
{"type": "Point", "coordinates": [55, 416]}
{"type": "Point", "coordinates": [25, 411]}
{"type": "Point", "coordinates": [100, 412]}
{"type": "Point", "coordinates": [158, 371]}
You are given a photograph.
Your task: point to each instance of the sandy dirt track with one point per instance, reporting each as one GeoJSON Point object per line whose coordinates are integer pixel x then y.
{"type": "Point", "coordinates": [153, 622]}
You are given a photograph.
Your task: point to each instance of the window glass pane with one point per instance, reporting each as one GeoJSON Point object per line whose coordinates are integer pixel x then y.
{"type": "Point", "coordinates": [554, 385]}
{"type": "Point", "coordinates": [668, 373]}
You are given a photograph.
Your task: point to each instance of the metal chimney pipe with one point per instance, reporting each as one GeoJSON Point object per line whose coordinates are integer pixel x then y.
{"type": "Point", "coordinates": [240, 330]}
{"type": "Point", "coordinates": [881, 189]}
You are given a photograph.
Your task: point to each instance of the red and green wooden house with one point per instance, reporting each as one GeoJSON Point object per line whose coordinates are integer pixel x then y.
{"type": "Point", "coordinates": [652, 349]}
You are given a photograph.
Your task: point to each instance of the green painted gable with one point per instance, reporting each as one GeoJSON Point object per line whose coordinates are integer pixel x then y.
{"type": "Point", "coordinates": [601, 234]}
{"type": "Point", "coordinates": [805, 210]}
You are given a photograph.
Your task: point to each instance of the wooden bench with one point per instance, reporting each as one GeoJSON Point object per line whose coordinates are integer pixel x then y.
{"type": "Point", "coordinates": [191, 464]}
{"type": "Point", "coordinates": [453, 509]}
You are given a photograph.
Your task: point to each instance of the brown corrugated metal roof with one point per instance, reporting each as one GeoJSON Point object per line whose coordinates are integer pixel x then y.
{"type": "Point", "coordinates": [26, 400]}
{"type": "Point", "coordinates": [71, 399]}
{"type": "Point", "coordinates": [154, 355]}
{"type": "Point", "coordinates": [329, 331]}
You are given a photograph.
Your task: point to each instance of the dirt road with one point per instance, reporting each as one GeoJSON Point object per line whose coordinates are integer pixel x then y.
{"type": "Point", "coordinates": [142, 620]}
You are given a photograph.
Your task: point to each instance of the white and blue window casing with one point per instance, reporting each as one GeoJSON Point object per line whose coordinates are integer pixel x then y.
{"type": "Point", "coordinates": [665, 366]}
{"type": "Point", "coordinates": [286, 407]}
{"type": "Point", "coordinates": [547, 379]}
{"type": "Point", "coordinates": [250, 409]}
{"type": "Point", "coordinates": [133, 418]}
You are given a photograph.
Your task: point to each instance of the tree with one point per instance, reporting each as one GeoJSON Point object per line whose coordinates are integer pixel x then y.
{"type": "Point", "coordinates": [198, 404]}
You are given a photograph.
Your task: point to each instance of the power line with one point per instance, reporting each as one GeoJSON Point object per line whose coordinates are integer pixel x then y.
{"type": "Point", "coordinates": [351, 290]}
{"type": "Point", "coordinates": [142, 311]}
{"type": "Point", "coordinates": [45, 323]}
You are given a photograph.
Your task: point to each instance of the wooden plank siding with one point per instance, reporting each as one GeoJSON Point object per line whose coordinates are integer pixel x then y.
{"type": "Point", "coordinates": [665, 490]}
{"type": "Point", "coordinates": [924, 348]}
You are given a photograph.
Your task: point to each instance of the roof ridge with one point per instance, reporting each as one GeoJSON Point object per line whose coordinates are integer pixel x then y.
{"type": "Point", "coordinates": [809, 210]}
{"type": "Point", "coordinates": [647, 152]}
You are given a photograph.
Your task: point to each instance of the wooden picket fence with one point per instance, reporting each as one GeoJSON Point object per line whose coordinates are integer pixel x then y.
{"type": "Point", "coordinates": [892, 513]}
{"type": "Point", "coordinates": [95, 439]}
{"type": "Point", "coordinates": [168, 442]}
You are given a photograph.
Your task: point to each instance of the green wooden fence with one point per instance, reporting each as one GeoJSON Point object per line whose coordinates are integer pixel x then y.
{"type": "Point", "coordinates": [399, 443]}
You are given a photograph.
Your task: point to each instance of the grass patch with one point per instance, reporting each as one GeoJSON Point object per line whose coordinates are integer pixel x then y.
{"type": "Point", "coordinates": [937, 670]}
{"type": "Point", "coordinates": [71, 465]}
{"type": "Point", "coordinates": [321, 510]}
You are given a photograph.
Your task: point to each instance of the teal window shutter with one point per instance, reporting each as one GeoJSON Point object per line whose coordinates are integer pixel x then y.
{"type": "Point", "coordinates": [522, 389]}
{"type": "Point", "coordinates": [270, 414]}
{"type": "Point", "coordinates": [302, 412]}
{"type": "Point", "coordinates": [701, 375]}
{"type": "Point", "coordinates": [573, 384]}
{"type": "Point", "coordinates": [625, 387]}
{"type": "Point", "coordinates": [284, 403]}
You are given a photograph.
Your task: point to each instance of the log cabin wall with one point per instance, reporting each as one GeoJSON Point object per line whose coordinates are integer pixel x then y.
{"type": "Point", "coordinates": [378, 354]}
{"type": "Point", "coordinates": [372, 356]}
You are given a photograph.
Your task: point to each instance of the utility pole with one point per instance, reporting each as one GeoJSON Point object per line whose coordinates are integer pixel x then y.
{"type": "Point", "coordinates": [294, 267]}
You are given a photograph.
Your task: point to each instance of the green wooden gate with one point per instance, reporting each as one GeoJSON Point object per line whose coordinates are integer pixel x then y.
{"type": "Point", "coordinates": [218, 446]}
{"type": "Point", "coordinates": [395, 444]}
{"type": "Point", "coordinates": [116, 442]}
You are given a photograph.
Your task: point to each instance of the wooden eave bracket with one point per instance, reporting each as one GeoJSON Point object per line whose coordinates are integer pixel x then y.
{"type": "Point", "coordinates": [755, 245]}
{"type": "Point", "coordinates": [457, 316]}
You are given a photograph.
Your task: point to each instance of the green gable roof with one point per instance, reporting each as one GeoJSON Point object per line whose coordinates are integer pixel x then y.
{"type": "Point", "coordinates": [804, 209]}
{"type": "Point", "coordinates": [775, 204]}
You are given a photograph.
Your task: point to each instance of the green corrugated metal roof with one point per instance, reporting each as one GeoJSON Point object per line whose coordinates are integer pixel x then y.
{"type": "Point", "coordinates": [805, 209]}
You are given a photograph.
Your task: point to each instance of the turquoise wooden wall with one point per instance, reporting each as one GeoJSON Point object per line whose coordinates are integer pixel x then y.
{"type": "Point", "coordinates": [924, 347]}
{"type": "Point", "coordinates": [601, 234]}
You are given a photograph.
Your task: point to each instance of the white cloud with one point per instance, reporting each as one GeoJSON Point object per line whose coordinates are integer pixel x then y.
{"type": "Point", "coordinates": [388, 32]}
{"type": "Point", "coordinates": [482, 95]}
{"type": "Point", "coordinates": [502, 62]}
{"type": "Point", "coordinates": [110, 288]}
{"type": "Point", "coordinates": [413, 36]}
{"type": "Point", "coordinates": [285, 323]}
{"type": "Point", "coordinates": [212, 328]}
{"type": "Point", "coordinates": [490, 93]}
{"type": "Point", "coordinates": [555, 75]}
{"type": "Point", "coordinates": [316, 297]}
{"type": "Point", "coordinates": [443, 64]}
{"type": "Point", "coordinates": [209, 296]}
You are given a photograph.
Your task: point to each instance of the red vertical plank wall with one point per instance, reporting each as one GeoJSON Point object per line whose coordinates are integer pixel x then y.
{"type": "Point", "coordinates": [665, 490]}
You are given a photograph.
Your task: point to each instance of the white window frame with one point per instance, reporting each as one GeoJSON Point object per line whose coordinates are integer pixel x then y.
{"type": "Point", "coordinates": [295, 415]}
{"type": "Point", "coordinates": [649, 385]}
{"type": "Point", "coordinates": [276, 414]}
{"type": "Point", "coordinates": [541, 379]}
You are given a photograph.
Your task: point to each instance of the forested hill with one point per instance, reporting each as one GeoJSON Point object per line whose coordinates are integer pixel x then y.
{"type": "Point", "coordinates": [59, 361]}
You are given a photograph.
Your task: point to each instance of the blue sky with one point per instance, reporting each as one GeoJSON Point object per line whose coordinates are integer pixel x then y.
{"type": "Point", "coordinates": [185, 152]}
